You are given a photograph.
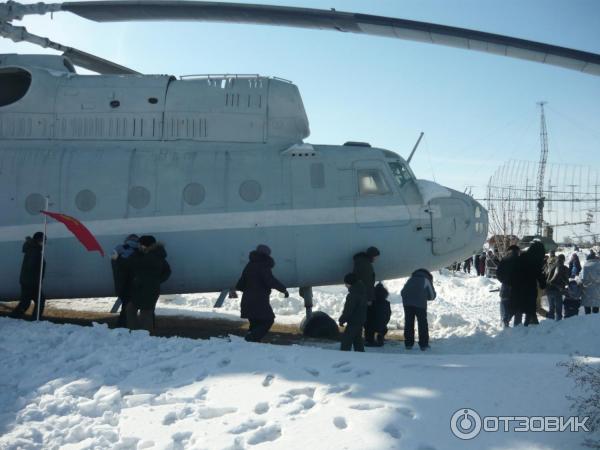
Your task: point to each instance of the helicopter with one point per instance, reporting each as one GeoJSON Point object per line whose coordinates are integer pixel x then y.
{"type": "Point", "coordinates": [214, 165]}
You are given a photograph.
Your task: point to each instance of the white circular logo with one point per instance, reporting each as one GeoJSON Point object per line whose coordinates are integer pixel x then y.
{"type": "Point", "coordinates": [465, 424]}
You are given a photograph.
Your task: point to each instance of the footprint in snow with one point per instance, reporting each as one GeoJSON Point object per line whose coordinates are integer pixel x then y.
{"type": "Point", "coordinates": [213, 413]}
{"type": "Point", "coordinates": [224, 362]}
{"type": "Point", "coordinates": [201, 376]}
{"type": "Point", "coordinates": [362, 373]}
{"type": "Point", "coordinates": [261, 408]}
{"type": "Point", "coordinates": [406, 412]}
{"type": "Point", "coordinates": [393, 431]}
{"type": "Point", "coordinates": [366, 406]}
{"type": "Point", "coordinates": [337, 389]}
{"type": "Point", "coordinates": [181, 436]}
{"type": "Point", "coordinates": [308, 391]}
{"type": "Point", "coordinates": [173, 416]}
{"type": "Point", "coordinates": [170, 418]}
{"type": "Point", "coordinates": [426, 447]}
{"type": "Point", "coordinates": [268, 380]}
{"type": "Point", "coordinates": [248, 425]}
{"type": "Point", "coordinates": [201, 394]}
{"type": "Point", "coordinates": [238, 444]}
{"type": "Point", "coordinates": [302, 406]}
{"type": "Point", "coordinates": [266, 434]}
{"type": "Point", "coordinates": [279, 359]}
{"type": "Point", "coordinates": [340, 423]}
{"type": "Point", "coordinates": [339, 364]}
{"type": "Point", "coordinates": [313, 372]}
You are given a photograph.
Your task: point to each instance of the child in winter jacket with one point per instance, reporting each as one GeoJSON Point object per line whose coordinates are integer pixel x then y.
{"type": "Point", "coordinates": [417, 291]}
{"type": "Point", "coordinates": [354, 314]}
{"type": "Point", "coordinates": [383, 312]}
{"type": "Point", "coordinates": [573, 298]}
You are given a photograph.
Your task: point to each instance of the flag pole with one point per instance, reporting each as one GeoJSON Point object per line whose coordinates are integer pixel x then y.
{"type": "Point", "coordinates": [39, 296]}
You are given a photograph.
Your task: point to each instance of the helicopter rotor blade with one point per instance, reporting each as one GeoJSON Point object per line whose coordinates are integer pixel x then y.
{"type": "Point", "coordinates": [77, 57]}
{"type": "Point", "coordinates": [201, 11]}
{"type": "Point", "coordinates": [97, 64]}
{"type": "Point", "coordinates": [159, 10]}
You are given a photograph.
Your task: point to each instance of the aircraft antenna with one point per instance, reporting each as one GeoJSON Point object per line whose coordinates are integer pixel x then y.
{"type": "Point", "coordinates": [415, 147]}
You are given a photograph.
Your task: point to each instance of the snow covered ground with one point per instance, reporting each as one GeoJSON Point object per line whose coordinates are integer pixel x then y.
{"type": "Point", "coordinates": [464, 305]}
{"type": "Point", "coordinates": [77, 388]}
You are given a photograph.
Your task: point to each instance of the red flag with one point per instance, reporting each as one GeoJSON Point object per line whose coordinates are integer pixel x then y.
{"type": "Point", "coordinates": [78, 229]}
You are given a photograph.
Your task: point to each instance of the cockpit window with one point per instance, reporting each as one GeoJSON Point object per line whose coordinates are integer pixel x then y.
{"type": "Point", "coordinates": [401, 173]}
{"type": "Point", "coordinates": [372, 182]}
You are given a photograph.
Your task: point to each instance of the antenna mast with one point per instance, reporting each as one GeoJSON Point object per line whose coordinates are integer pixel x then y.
{"type": "Point", "coordinates": [541, 171]}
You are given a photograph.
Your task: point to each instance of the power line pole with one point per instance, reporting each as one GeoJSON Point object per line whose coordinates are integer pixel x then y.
{"type": "Point", "coordinates": [541, 171]}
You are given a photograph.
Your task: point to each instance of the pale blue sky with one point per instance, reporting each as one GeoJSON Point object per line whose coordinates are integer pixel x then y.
{"type": "Point", "coordinates": [476, 110]}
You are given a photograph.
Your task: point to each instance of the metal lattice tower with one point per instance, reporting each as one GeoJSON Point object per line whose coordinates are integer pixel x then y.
{"type": "Point", "coordinates": [541, 171]}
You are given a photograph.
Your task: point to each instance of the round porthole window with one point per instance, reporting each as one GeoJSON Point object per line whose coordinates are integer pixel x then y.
{"type": "Point", "coordinates": [34, 203]}
{"type": "Point", "coordinates": [250, 190]}
{"type": "Point", "coordinates": [85, 200]}
{"type": "Point", "coordinates": [193, 194]}
{"type": "Point", "coordinates": [139, 197]}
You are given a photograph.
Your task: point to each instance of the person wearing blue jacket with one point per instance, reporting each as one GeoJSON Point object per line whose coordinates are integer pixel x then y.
{"type": "Point", "coordinates": [417, 291]}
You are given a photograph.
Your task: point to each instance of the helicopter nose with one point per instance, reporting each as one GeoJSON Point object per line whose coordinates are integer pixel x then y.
{"type": "Point", "coordinates": [459, 225]}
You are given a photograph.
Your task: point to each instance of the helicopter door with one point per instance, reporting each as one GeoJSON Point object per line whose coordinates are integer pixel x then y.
{"type": "Point", "coordinates": [312, 191]}
{"type": "Point", "coordinates": [449, 225]}
{"type": "Point", "coordinates": [376, 203]}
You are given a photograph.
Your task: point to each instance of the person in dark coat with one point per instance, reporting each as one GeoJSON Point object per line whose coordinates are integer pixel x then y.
{"type": "Point", "coordinates": [505, 271]}
{"type": "Point", "coordinates": [354, 314]}
{"type": "Point", "coordinates": [528, 274]}
{"type": "Point", "coordinates": [467, 265]}
{"type": "Point", "coordinates": [122, 275]}
{"type": "Point", "coordinates": [30, 277]}
{"type": "Point", "coordinates": [482, 259]}
{"type": "Point", "coordinates": [476, 263]}
{"type": "Point", "coordinates": [417, 291]}
{"type": "Point", "coordinates": [363, 269]}
{"type": "Point", "coordinates": [256, 283]}
{"type": "Point", "coordinates": [574, 266]}
{"type": "Point", "coordinates": [149, 269]}
{"type": "Point", "coordinates": [383, 313]}
{"type": "Point", "coordinates": [556, 284]}
{"type": "Point", "coordinates": [573, 296]}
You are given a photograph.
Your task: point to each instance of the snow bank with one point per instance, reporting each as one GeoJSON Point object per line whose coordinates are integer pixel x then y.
{"type": "Point", "coordinates": [68, 387]}
{"type": "Point", "coordinates": [464, 318]}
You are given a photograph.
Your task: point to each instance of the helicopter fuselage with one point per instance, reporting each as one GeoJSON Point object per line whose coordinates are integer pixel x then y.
{"type": "Point", "coordinates": [211, 166]}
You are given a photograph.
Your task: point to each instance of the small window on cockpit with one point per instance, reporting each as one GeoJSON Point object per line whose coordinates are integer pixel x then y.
{"type": "Point", "coordinates": [401, 173]}
{"type": "Point", "coordinates": [371, 182]}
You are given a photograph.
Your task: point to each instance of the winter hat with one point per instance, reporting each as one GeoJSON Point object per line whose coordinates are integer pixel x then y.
{"type": "Point", "coordinates": [372, 252]}
{"type": "Point", "coordinates": [263, 249]}
{"type": "Point", "coordinates": [38, 236]}
{"type": "Point", "coordinates": [381, 293]}
{"type": "Point", "coordinates": [350, 279]}
{"type": "Point", "coordinates": [561, 257]}
{"type": "Point", "coordinates": [132, 237]}
{"type": "Point", "coordinates": [425, 272]}
{"type": "Point", "coordinates": [147, 241]}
